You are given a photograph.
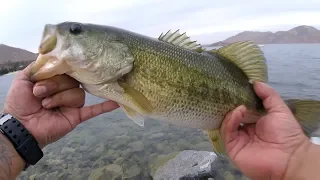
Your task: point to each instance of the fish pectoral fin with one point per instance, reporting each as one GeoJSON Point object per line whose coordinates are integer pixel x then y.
{"type": "Point", "coordinates": [216, 141]}
{"type": "Point", "coordinates": [248, 57]}
{"type": "Point", "coordinates": [133, 115]}
{"type": "Point", "coordinates": [138, 99]}
{"type": "Point", "coordinates": [181, 40]}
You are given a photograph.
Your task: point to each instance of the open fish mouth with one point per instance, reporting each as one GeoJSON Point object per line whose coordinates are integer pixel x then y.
{"type": "Point", "coordinates": [47, 64]}
{"type": "Point", "coordinates": [46, 67]}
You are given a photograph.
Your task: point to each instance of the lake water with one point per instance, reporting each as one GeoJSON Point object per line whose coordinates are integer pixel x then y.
{"type": "Point", "coordinates": [114, 141]}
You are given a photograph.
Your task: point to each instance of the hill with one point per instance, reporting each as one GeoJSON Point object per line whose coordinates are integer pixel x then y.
{"type": "Point", "coordinates": [10, 54]}
{"type": "Point", "coordinates": [299, 34]}
{"type": "Point", "coordinates": [13, 59]}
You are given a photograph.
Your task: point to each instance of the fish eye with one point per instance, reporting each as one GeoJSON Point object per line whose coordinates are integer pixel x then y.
{"type": "Point", "coordinates": [76, 29]}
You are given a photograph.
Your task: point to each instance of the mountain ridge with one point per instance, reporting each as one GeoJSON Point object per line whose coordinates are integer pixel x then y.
{"type": "Point", "coordinates": [9, 54]}
{"type": "Point", "coordinates": [14, 59]}
{"type": "Point", "coordinates": [298, 34]}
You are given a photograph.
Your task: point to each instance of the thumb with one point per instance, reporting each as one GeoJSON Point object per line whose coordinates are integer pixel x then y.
{"type": "Point", "coordinates": [271, 99]}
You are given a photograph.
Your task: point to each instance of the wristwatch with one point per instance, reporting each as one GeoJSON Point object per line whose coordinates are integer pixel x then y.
{"type": "Point", "coordinates": [23, 141]}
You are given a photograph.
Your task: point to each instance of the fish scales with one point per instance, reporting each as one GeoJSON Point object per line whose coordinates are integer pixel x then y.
{"type": "Point", "coordinates": [186, 87]}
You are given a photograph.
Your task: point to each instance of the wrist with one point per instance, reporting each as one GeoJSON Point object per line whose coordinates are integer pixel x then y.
{"type": "Point", "coordinates": [11, 163]}
{"type": "Point", "coordinates": [301, 162]}
{"type": "Point", "coordinates": [21, 140]}
{"type": "Point", "coordinates": [41, 144]}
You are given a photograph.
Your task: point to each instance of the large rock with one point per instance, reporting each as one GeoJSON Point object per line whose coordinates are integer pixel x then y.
{"type": "Point", "coordinates": [194, 165]}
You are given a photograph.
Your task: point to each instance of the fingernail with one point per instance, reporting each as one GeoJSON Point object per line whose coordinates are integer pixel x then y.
{"type": "Point", "coordinates": [39, 90]}
{"type": "Point", "coordinates": [46, 102]}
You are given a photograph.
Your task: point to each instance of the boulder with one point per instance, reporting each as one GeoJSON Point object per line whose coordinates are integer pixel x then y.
{"type": "Point", "coordinates": [187, 164]}
{"type": "Point", "coordinates": [196, 165]}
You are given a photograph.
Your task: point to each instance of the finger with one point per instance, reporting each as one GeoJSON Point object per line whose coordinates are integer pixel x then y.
{"type": "Point", "coordinates": [231, 123]}
{"type": "Point", "coordinates": [269, 96]}
{"type": "Point", "coordinates": [70, 98]}
{"type": "Point", "coordinates": [97, 109]}
{"type": "Point", "coordinates": [54, 85]}
{"type": "Point", "coordinates": [26, 72]}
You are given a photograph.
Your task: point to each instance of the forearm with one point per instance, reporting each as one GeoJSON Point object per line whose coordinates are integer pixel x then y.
{"type": "Point", "coordinates": [305, 164]}
{"type": "Point", "coordinates": [11, 164]}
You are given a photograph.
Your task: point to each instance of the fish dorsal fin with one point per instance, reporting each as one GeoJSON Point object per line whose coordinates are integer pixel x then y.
{"type": "Point", "coordinates": [248, 57]}
{"type": "Point", "coordinates": [178, 39]}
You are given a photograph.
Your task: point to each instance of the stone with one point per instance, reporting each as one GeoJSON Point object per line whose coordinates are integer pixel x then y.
{"type": "Point", "coordinates": [119, 160]}
{"type": "Point", "coordinates": [67, 150]}
{"type": "Point", "coordinates": [160, 147]}
{"type": "Point", "coordinates": [228, 176]}
{"type": "Point", "coordinates": [33, 177]}
{"type": "Point", "coordinates": [127, 153]}
{"type": "Point", "coordinates": [156, 136]}
{"type": "Point", "coordinates": [188, 164]}
{"type": "Point", "coordinates": [98, 163]}
{"type": "Point", "coordinates": [121, 141]}
{"type": "Point", "coordinates": [83, 148]}
{"type": "Point", "coordinates": [203, 146]}
{"type": "Point", "coordinates": [76, 173]}
{"type": "Point", "coordinates": [157, 161]}
{"type": "Point", "coordinates": [112, 172]}
{"type": "Point", "coordinates": [100, 148]}
{"type": "Point", "coordinates": [136, 146]}
{"type": "Point", "coordinates": [184, 144]}
{"type": "Point", "coordinates": [133, 172]}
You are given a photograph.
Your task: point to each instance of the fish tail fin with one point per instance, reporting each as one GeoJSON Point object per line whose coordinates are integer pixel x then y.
{"type": "Point", "coordinates": [307, 113]}
{"type": "Point", "coordinates": [216, 141]}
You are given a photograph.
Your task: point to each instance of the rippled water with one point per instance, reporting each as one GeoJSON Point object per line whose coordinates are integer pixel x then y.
{"type": "Point", "coordinates": [112, 140]}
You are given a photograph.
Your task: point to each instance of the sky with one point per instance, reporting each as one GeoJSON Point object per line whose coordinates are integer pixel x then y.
{"type": "Point", "coordinates": [207, 21]}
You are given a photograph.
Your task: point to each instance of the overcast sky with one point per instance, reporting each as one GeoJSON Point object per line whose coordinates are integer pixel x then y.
{"type": "Point", "coordinates": [22, 21]}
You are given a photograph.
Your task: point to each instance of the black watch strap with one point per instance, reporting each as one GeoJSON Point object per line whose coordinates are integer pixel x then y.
{"type": "Point", "coordinates": [24, 143]}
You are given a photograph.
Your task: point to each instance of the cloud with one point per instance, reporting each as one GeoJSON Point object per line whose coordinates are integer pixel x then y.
{"type": "Point", "coordinates": [22, 21]}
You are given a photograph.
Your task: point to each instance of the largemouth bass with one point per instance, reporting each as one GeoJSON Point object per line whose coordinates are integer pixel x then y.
{"type": "Point", "coordinates": [169, 78]}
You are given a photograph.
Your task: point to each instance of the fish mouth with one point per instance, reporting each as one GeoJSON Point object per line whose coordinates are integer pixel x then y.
{"type": "Point", "coordinates": [48, 64]}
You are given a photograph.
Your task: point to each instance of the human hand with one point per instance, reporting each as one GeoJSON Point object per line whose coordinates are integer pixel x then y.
{"type": "Point", "coordinates": [51, 108]}
{"type": "Point", "coordinates": [263, 150]}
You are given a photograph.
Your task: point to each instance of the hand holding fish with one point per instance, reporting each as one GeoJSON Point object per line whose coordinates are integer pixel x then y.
{"type": "Point", "coordinates": [266, 149]}
{"type": "Point", "coordinates": [36, 106]}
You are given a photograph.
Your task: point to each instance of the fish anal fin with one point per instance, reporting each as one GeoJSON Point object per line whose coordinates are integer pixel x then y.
{"type": "Point", "coordinates": [216, 141]}
{"type": "Point", "coordinates": [248, 57]}
{"type": "Point", "coordinates": [138, 99]}
{"type": "Point", "coordinates": [133, 115]}
{"type": "Point", "coordinates": [182, 40]}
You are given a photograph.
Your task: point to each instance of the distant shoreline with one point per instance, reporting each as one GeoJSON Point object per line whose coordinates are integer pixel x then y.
{"type": "Point", "coordinates": [261, 45]}
{"type": "Point", "coordinates": [13, 67]}
{"type": "Point", "coordinates": [13, 72]}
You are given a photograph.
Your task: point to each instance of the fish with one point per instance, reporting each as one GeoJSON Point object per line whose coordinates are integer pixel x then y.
{"type": "Point", "coordinates": [169, 78]}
